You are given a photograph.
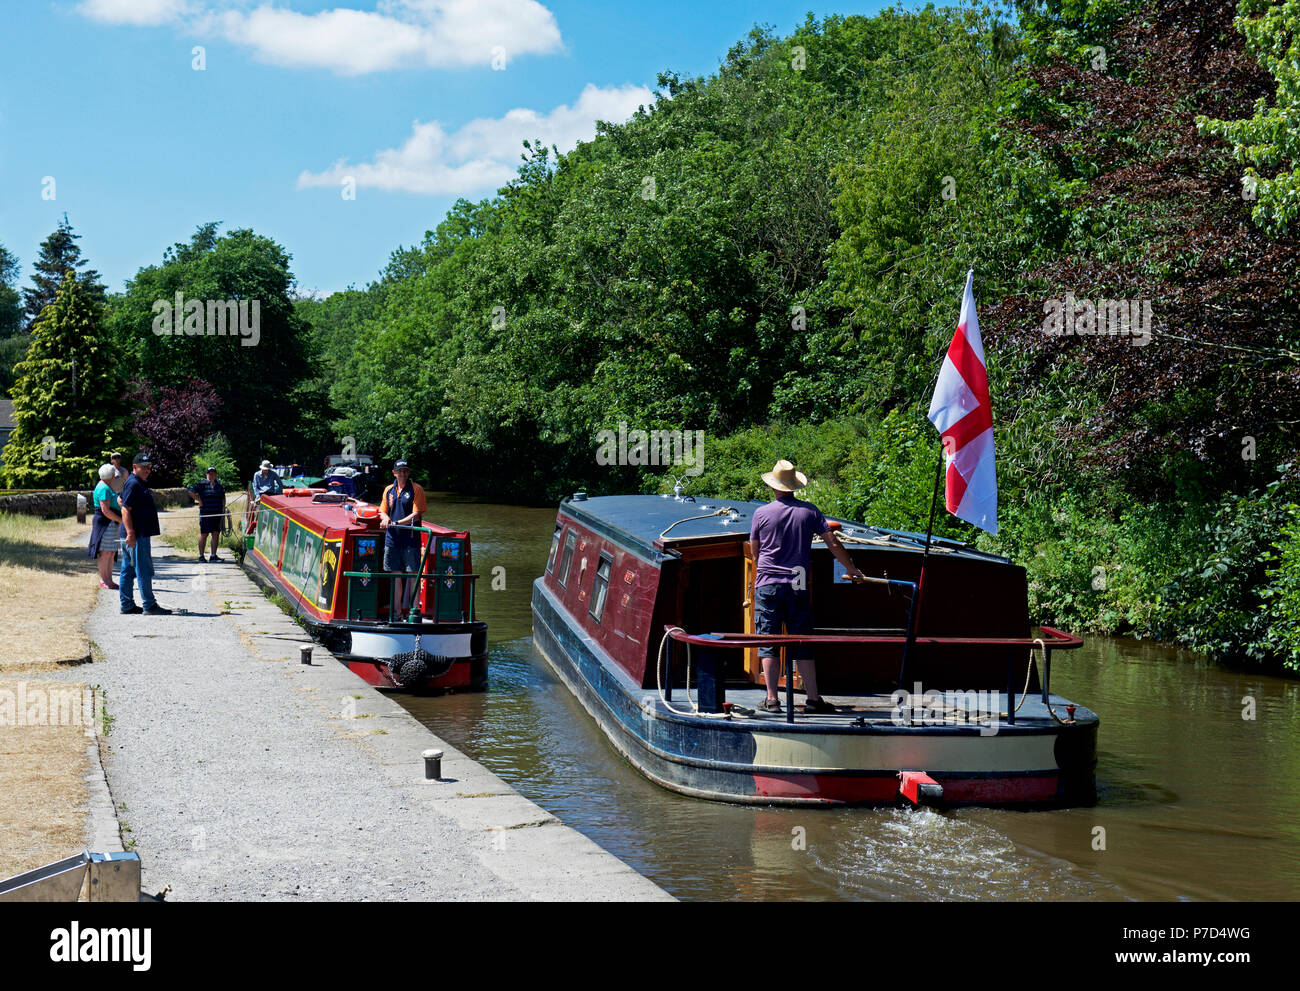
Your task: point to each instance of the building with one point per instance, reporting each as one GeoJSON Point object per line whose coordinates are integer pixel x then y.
{"type": "Point", "coordinates": [6, 425]}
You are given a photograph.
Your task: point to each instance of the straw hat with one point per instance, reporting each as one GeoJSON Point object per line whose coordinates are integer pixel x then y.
{"type": "Point", "coordinates": [784, 478]}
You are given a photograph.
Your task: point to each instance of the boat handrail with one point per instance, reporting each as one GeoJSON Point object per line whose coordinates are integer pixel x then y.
{"type": "Point", "coordinates": [1052, 639]}
{"type": "Point", "coordinates": [1055, 639]}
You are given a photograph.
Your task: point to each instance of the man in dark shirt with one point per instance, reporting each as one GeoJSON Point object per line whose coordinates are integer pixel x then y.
{"type": "Point", "coordinates": [780, 541]}
{"type": "Point", "coordinates": [140, 525]}
{"type": "Point", "coordinates": [211, 498]}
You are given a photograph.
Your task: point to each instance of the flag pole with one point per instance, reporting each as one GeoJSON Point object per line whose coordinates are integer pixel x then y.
{"type": "Point", "coordinates": [929, 533]}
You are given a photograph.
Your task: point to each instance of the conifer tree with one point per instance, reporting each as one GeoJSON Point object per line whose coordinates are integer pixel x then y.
{"type": "Point", "coordinates": [13, 342]}
{"type": "Point", "coordinates": [68, 406]}
{"type": "Point", "coordinates": [59, 252]}
{"type": "Point", "coordinates": [11, 311]}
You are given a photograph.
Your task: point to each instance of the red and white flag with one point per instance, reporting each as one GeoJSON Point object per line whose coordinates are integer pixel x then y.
{"type": "Point", "coordinates": [962, 412]}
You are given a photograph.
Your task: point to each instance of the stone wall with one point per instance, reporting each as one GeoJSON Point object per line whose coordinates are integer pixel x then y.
{"type": "Point", "coordinates": [52, 504]}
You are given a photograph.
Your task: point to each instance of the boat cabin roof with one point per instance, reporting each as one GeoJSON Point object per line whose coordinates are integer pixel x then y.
{"type": "Point", "coordinates": [656, 525]}
{"type": "Point", "coordinates": [322, 516]}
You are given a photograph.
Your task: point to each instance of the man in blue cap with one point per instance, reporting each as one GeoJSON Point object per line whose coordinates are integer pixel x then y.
{"type": "Point", "coordinates": [139, 526]}
{"type": "Point", "coordinates": [211, 498]}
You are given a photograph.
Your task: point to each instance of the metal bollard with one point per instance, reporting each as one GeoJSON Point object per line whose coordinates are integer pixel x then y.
{"type": "Point", "coordinates": [432, 765]}
{"type": "Point", "coordinates": [81, 508]}
{"type": "Point", "coordinates": [304, 653]}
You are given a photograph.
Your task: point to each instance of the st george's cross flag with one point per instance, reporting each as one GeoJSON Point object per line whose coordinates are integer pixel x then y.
{"type": "Point", "coordinates": [963, 414]}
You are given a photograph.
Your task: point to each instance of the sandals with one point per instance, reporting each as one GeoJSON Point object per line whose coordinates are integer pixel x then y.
{"type": "Point", "coordinates": [818, 706]}
{"type": "Point", "coordinates": [769, 705]}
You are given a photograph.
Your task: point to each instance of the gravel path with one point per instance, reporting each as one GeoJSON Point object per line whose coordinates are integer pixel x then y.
{"type": "Point", "coordinates": [240, 773]}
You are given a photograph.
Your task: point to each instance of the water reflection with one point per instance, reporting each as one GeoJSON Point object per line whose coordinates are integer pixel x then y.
{"type": "Point", "coordinates": [1194, 801]}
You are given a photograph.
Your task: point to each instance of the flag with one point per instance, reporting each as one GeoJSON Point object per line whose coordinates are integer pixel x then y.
{"type": "Point", "coordinates": [963, 414]}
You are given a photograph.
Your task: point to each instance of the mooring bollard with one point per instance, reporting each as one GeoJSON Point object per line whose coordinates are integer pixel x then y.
{"type": "Point", "coordinates": [81, 508]}
{"type": "Point", "coordinates": [432, 765]}
{"type": "Point", "coordinates": [304, 653]}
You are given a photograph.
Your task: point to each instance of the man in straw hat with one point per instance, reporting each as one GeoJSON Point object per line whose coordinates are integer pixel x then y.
{"type": "Point", "coordinates": [780, 541]}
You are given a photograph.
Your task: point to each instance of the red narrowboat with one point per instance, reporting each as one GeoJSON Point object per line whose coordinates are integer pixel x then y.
{"type": "Point", "coordinates": [941, 693]}
{"type": "Point", "coordinates": [323, 552]}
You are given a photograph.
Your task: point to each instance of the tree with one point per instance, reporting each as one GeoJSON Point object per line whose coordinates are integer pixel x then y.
{"type": "Point", "coordinates": [259, 364]}
{"type": "Point", "coordinates": [1269, 139]}
{"type": "Point", "coordinates": [13, 342]}
{"type": "Point", "coordinates": [173, 421]}
{"type": "Point", "coordinates": [68, 407]}
{"type": "Point", "coordinates": [11, 311]}
{"type": "Point", "coordinates": [58, 253]}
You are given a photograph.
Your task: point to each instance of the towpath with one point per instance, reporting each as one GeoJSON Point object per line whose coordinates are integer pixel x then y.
{"type": "Point", "coordinates": [240, 773]}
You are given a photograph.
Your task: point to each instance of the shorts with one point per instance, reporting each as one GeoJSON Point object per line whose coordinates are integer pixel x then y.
{"type": "Point", "coordinates": [109, 538]}
{"type": "Point", "coordinates": [780, 603]}
{"type": "Point", "coordinates": [212, 524]}
{"type": "Point", "coordinates": [405, 558]}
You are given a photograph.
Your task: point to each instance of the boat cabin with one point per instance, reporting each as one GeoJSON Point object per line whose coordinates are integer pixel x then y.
{"type": "Point", "coordinates": [627, 567]}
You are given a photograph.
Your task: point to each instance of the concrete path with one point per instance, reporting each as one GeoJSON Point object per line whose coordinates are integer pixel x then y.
{"type": "Point", "coordinates": [239, 773]}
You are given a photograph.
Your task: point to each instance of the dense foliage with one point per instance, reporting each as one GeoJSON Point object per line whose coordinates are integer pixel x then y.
{"type": "Point", "coordinates": [220, 309]}
{"type": "Point", "coordinates": [774, 255]}
{"type": "Point", "coordinates": [66, 408]}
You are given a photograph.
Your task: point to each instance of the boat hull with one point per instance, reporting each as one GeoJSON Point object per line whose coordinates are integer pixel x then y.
{"type": "Point", "coordinates": [813, 762]}
{"type": "Point", "coordinates": [455, 655]}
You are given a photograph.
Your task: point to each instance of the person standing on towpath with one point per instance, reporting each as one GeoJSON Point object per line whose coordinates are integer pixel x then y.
{"type": "Point", "coordinates": [140, 521]}
{"type": "Point", "coordinates": [211, 498]}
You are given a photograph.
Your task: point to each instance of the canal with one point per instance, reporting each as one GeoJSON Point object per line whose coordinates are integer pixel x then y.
{"type": "Point", "coordinates": [1198, 778]}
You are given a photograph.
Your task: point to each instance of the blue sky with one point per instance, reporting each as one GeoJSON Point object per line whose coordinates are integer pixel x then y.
{"type": "Point", "coordinates": [417, 102]}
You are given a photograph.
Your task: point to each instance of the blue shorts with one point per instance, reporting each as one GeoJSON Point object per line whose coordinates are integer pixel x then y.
{"type": "Point", "coordinates": [402, 558]}
{"type": "Point", "coordinates": [780, 603]}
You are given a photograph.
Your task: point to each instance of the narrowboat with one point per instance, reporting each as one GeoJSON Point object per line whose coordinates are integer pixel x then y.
{"type": "Point", "coordinates": [941, 690]}
{"type": "Point", "coordinates": [323, 551]}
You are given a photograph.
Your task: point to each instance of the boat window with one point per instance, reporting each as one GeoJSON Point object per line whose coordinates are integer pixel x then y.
{"type": "Point", "coordinates": [600, 587]}
{"type": "Point", "coordinates": [569, 544]}
{"type": "Point", "coordinates": [555, 546]}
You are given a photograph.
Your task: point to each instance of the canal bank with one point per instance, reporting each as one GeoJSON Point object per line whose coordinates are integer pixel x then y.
{"type": "Point", "coordinates": [239, 773]}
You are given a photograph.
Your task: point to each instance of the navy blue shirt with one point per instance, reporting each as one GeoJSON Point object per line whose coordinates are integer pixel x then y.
{"type": "Point", "coordinates": [212, 497]}
{"type": "Point", "coordinates": [144, 514]}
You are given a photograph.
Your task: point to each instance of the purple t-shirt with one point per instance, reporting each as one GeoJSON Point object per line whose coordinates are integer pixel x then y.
{"type": "Point", "coordinates": [784, 529]}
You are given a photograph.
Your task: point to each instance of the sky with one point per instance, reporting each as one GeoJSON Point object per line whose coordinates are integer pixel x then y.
{"type": "Point", "coordinates": [341, 131]}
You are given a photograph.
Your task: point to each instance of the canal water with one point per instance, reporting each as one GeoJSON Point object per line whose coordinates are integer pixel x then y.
{"type": "Point", "coordinates": [1198, 778]}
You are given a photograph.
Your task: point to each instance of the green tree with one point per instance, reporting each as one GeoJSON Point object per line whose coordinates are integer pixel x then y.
{"type": "Point", "coordinates": [13, 341]}
{"type": "Point", "coordinates": [58, 253]}
{"type": "Point", "coordinates": [271, 402]}
{"type": "Point", "coordinates": [68, 407]}
{"type": "Point", "coordinates": [1270, 138]}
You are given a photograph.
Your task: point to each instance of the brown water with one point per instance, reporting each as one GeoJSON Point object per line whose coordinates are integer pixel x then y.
{"type": "Point", "coordinates": [1195, 802]}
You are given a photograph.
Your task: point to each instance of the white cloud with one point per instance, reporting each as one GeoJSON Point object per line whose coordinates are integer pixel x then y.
{"type": "Point", "coordinates": [138, 12]}
{"type": "Point", "coordinates": [445, 34]}
{"type": "Point", "coordinates": [484, 154]}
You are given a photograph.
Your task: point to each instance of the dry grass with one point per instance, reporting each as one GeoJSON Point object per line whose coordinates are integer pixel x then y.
{"type": "Point", "coordinates": [47, 588]}
{"type": "Point", "coordinates": [180, 528]}
{"type": "Point", "coordinates": [42, 779]}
